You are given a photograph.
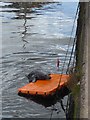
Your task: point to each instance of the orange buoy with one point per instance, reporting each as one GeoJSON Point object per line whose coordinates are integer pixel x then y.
{"type": "Point", "coordinates": [44, 87]}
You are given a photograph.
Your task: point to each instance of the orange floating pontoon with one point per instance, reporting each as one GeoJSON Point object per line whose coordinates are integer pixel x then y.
{"type": "Point", "coordinates": [44, 87]}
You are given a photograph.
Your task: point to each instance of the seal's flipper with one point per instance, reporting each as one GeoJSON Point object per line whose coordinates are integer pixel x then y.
{"type": "Point", "coordinates": [33, 78]}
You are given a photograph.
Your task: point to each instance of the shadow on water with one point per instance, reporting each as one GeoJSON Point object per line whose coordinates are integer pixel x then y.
{"type": "Point", "coordinates": [27, 7]}
{"type": "Point", "coordinates": [22, 10]}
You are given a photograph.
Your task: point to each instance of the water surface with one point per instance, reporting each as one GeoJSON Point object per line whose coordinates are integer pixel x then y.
{"type": "Point", "coordinates": [33, 36]}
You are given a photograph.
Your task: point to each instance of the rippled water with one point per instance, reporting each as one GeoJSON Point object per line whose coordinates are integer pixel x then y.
{"type": "Point", "coordinates": [33, 36]}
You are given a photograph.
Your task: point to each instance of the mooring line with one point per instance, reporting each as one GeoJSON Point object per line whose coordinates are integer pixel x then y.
{"type": "Point", "coordinates": [67, 53]}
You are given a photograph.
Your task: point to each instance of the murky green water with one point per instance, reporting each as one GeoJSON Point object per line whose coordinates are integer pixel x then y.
{"type": "Point", "coordinates": [33, 36]}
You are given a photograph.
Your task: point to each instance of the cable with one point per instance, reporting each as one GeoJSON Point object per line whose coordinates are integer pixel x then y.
{"type": "Point", "coordinates": [74, 40]}
{"type": "Point", "coordinates": [52, 113]}
{"type": "Point", "coordinates": [71, 55]}
{"type": "Point", "coordinates": [68, 46]}
{"type": "Point", "coordinates": [74, 43]}
{"type": "Point", "coordinates": [66, 55]}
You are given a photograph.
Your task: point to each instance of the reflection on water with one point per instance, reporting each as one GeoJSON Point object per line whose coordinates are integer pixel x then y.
{"type": "Point", "coordinates": [34, 36]}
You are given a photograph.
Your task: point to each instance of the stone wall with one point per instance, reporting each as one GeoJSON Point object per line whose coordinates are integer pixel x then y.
{"type": "Point", "coordinates": [82, 54]}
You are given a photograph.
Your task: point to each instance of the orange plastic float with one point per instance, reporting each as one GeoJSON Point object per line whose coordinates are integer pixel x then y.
{"type": "Point", "coordinates": [45, 87]}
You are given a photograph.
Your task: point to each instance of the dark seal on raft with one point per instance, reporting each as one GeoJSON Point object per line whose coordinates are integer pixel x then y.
{"type": "Point", "coordinates": [35, 75]}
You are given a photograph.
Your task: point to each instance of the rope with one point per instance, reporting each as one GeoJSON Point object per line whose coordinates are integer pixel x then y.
{"type": "Point", "coordinates": [74, 40]}
{"type": "Point", "coordinates": [51, 113]}
{"type": "Point", "coordinates": [68, 46]}
{"type": "Point", "coordinates": [71, 56]}
{"type": "Point", "coordinates": [67, 53]}
{"type": "Point", "coordinates": [67, 105]}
